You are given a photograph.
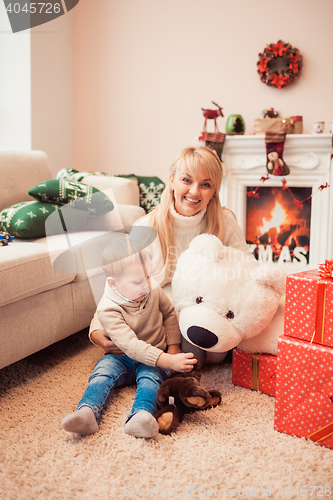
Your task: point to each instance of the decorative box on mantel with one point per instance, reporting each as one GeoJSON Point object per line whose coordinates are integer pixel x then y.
{"type": "Point", "coordinates": [308, 157]}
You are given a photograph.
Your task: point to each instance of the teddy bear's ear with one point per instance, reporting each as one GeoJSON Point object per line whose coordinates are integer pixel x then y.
{"type": "Point", "coordinates": [270, 275]}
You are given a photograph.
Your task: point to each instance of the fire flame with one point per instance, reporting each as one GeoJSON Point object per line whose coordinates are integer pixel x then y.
{"type": "Point", "coordinates": [277, 218]}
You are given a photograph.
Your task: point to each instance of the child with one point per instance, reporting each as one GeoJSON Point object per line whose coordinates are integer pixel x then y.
{"type": "Point", "coordinates": [142, 322]}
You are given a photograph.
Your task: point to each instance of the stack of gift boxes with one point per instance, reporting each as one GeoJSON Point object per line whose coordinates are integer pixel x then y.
{"type": "Point", "coordinates": [301, 376]}
{"type": "Point", "coordinates": [304, 380]}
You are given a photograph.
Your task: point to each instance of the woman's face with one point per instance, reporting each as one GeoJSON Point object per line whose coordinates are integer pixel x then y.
{"type": "Point", "coordinates": [191, 193]}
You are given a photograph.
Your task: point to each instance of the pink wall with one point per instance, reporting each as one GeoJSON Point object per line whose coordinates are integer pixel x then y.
{"type": "Point", "coordinates": [52, 91]}
{"type": "Point", "coordinates": [144, 69]}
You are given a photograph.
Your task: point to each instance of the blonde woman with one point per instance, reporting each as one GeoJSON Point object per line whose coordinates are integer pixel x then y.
{"type": "Point", "coordinates": [190, 205]}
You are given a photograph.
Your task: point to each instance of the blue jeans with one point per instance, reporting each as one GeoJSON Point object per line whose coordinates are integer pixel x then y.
{"type": "Point", "coordinates": [116, 371]}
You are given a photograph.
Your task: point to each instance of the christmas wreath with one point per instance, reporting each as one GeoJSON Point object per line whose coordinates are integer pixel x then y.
{"type": "Point", "coordinates": [279, 65]}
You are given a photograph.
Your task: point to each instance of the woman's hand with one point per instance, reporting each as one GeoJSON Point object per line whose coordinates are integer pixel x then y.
{"type": "Point", "coordinates": [100, 338]}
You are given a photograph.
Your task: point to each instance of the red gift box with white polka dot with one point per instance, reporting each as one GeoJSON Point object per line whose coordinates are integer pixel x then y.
{"type": "Point", "coordinates": [309, 308]}
{"type": "Point", "coordinates": [254, 371]}
{"type": "Point", "coordinates": [304, 390]}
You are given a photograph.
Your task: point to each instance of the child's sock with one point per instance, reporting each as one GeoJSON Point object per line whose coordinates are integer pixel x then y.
{"type": "Point", "coordinates": [82, 421]}
{"type": "Point", "coordinates": [142, 424]}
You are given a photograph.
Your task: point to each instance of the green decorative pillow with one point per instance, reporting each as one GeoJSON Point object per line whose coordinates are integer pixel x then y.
{"type": "Point", "coordinates": [27, 219]}
{"type": "Point", "coordinates": [69, 174]}
{"type": "Point", "coordinates": [151, 188]}
{"type": "Point", "coordinates": [75, 194]}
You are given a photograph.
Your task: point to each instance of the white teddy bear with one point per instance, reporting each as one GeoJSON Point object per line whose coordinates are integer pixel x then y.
{"type": "Point", "coordinates": [226, 299]}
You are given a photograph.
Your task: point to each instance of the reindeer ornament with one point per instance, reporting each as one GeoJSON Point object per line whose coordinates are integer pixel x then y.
{"type": "Point", "coordinates": [216, 139]}
{"type": "Point", "coordinates": [212, 114]}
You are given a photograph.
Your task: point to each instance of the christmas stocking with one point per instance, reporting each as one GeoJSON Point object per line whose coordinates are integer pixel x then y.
{"type": "Point", "coordinates": [274, 149]}
{"type": "Point", "coordinates": [214, 141]}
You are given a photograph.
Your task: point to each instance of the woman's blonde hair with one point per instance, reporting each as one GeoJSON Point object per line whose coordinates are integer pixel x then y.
{"type": "Point", "coordinates": [191, 161]}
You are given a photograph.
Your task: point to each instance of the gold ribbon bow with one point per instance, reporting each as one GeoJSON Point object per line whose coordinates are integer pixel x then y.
{"type": "Point", "coordinates": [288, 123]}
{"type": "Point", "coordinates": [326, 270]}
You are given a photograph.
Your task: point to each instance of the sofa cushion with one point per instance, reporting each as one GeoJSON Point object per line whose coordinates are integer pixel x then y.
{"type": "Point", "coordinates": [20, 171]}
{"type": "Point", "coordinates": [76, 194]}
{"type": "Point", "coordinates": [26, 270]}
{"type": "Point", "coordinates": [27, 219]}
{"type": "Point", "coordinates": [125, 190]}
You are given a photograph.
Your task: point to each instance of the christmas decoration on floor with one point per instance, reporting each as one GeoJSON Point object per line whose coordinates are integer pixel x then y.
{"type": "Point", "coordinates": [279, 65]}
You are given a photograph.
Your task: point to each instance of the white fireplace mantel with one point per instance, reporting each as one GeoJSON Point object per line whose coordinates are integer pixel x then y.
{"type": "Point", "coordinates": [308, 157]}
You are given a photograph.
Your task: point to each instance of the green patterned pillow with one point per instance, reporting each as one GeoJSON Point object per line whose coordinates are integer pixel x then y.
{"type": "Point", "coordinates": [69, 174]}
{"type": "Point", "coordinates": [75, 194]}
{"type": "Point", "coordinates": [151, 188]}
{"type": "Point", "coordinates": [27, 219]}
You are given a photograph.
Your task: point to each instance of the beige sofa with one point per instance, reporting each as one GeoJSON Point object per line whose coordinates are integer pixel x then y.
{"type": "Point", "coordinates": [38, 304]}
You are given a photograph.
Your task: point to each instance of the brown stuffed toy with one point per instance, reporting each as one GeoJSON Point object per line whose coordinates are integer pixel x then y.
{"type": "Point", "coordinates": [188, 396]}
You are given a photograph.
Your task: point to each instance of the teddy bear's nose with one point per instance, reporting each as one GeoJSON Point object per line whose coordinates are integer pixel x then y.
{"type": "Point", "coordinates": [202, 337]}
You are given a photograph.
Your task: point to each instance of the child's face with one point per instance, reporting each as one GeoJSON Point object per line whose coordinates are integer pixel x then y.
{"type": "Point", "coordinates": [191, 194]}
{"type": "Point", "coordinates": [133, 283]}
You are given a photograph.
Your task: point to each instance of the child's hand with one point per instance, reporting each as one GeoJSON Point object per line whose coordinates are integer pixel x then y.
{"type": "Point", "coordinates": [183, 362]}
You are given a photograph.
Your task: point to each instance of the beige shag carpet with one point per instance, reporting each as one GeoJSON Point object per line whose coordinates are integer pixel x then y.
{"type": "Point", "coordinates": [228, 451]}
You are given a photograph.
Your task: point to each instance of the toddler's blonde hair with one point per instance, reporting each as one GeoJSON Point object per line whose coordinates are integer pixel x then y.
{"type": "Point", "coordinates": [121, 254]}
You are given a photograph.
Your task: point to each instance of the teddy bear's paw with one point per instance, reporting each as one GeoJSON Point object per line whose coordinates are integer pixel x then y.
{"type": "Point", "coordinates": [196, 401]}
{"type": "Point", "coordinates": [194, 396]}
{"type": "Point", "coordinates": [168, 419]}
{"type": "Point", "coordinates": [215, 399]}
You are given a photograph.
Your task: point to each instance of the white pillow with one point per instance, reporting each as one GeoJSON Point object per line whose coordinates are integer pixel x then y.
{"type": "Point", "coordinates": [126, 191]}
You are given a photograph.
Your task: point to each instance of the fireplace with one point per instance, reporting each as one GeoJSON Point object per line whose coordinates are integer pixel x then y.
{"type": "Point", "coordinates": [276, 228]}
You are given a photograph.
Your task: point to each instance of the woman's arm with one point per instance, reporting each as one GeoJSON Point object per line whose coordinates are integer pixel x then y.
{"type": "Point", "coordinates": [233, 235]}
{"type": "Point", "coordinates": [100, 338]}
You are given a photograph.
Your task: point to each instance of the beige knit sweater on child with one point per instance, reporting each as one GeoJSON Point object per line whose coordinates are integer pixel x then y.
{"type": "Point", "coordinates": [142, 330]}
